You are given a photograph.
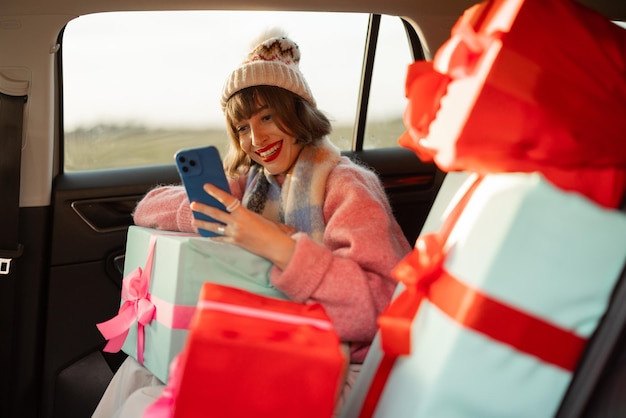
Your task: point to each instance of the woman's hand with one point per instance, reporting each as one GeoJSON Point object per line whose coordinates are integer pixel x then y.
{"type": "Point", "coordinates": [246, 229]}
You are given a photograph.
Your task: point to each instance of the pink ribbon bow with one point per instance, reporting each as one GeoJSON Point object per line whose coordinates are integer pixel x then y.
{"type": "Point", "coordinates": [137, 306]}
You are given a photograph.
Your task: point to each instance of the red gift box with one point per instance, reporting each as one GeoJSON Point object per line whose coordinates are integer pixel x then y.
{"type": "Point", "coordinates": [249, 355]}
{"type": "Point", "coordinates": [498, 97]}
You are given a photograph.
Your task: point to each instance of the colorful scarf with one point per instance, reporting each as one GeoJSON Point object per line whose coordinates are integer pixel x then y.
{"type": "Point", "coordinates": [299, 202]}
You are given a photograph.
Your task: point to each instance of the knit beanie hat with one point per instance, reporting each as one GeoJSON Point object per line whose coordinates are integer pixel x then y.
{"type": "Point", "coordinates": [272, 62]}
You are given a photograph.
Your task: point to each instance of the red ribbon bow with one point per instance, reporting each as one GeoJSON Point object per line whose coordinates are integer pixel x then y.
{"type": "Point", "coordinates": [459, 55]}
{"type": "Point", "coordinates": [424, 275]}
{"type": "Point", "coordinates": [137, 306]}
{"type": "Point", "coordinates": [417, 271]}
{"type": "Point", "coordinates": [427, 82]}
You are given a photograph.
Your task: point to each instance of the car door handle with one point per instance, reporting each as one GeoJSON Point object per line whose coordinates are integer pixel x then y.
{"type": "Point", "coordinates": [400, 182]}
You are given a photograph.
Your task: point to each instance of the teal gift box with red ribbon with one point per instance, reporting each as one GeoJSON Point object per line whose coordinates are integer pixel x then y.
{"type": "Point", "coordinates": [163, 276]}
{"type": "Point", "coordinates": [495, 309]}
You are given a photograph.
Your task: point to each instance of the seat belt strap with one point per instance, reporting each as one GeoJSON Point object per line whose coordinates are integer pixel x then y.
{"type": "Point", "coordinates": [11, 122]}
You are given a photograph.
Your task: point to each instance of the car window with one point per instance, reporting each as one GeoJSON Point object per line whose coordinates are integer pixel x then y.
{"type": "Point", "coordinates": [386, 99]}
{"type": "Point", "coordinates": [139, 86]}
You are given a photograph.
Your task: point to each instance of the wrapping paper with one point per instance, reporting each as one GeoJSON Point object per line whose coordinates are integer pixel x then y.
{"type": "Point", "coordinates": [252, 356]}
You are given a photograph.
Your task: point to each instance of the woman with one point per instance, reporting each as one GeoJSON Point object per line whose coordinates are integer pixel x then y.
{"type": "Point", "coordinates": [322, 220]}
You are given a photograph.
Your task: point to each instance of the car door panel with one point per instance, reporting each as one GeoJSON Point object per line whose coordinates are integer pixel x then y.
{"type": "Point", "coordinates": [91, 215]}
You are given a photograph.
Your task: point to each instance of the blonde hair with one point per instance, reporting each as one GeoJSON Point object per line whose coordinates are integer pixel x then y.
{"type": "Point", "coordinates": [294, 116]}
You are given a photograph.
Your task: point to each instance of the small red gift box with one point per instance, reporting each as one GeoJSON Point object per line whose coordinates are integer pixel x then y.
{"type": "Point", "coordinates": [252, 356]}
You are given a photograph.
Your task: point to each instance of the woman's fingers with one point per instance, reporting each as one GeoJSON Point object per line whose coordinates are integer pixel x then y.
{"type": "Point", "coordinates": [225, 221]}
{"type": "Point", "coordinates": [218, 228]}
{"type": "Point", "coordinates": [230, 202]}
{"type": "Point", "coordinates": [215, 213]}
{"type": "Point", "coordinates": [246, 229]}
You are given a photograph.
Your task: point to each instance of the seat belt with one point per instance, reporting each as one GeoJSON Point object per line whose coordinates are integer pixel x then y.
{"type": "Point", "coordinates": [11, 122]}
{"type": "Point", "coordinates": [600, 350]}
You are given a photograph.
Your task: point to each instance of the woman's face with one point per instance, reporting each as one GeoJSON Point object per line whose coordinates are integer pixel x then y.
{"type": "Point", "coordinates": [264, 142]}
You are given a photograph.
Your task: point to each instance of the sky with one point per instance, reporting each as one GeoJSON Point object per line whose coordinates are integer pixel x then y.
{"type": "Point", "coordinates": [167, 69]}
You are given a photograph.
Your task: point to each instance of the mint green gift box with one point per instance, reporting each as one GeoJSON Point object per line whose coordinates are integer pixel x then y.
{"type": "Point", "coordinates": [523, 242]}
{"type": "Point", "coordinates": [181, 264]}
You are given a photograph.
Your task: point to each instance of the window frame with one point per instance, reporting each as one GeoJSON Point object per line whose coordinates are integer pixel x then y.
{"type": "Point", "coordinates": [357, 143]}
{"type": "Point", "coordinates": [367, 72]}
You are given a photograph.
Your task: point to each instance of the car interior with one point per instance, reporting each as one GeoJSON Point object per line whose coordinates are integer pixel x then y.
{"type": "Point", "coordinates": [65, 205]}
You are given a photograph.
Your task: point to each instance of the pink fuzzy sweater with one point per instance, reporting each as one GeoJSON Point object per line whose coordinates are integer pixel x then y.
{"type": "Point", "coordinates": [349, 274]}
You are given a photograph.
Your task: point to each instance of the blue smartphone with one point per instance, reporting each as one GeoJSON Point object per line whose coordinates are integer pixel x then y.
{"type": "Point", "coordinates": [196, 167]}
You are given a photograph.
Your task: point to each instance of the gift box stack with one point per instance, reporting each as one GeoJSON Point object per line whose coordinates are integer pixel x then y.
{"type": "Point", "coordinates": [491, 321]}
{"type": "Point", "coordinates": [495, 309]}
{"type": "Point", "coordinates": [163, 277]}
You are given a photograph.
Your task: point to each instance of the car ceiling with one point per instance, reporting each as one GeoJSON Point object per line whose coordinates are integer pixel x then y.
{"type": "Point", "coordinates": [432, 18]}
{"type": "Point", "coordinates": [614, 9]}
{"type": "Point", "coordinates": [77, 7]}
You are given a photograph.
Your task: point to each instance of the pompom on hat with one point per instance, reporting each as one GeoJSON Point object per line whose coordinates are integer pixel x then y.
{"type": "Point", "coordinates": [274, 61]}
